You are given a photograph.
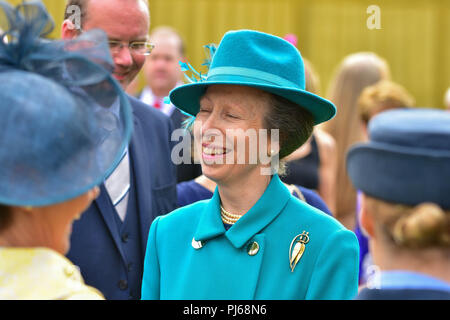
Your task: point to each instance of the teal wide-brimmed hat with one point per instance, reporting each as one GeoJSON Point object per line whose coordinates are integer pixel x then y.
{"type": "Point", "coordinates": [259, 60]}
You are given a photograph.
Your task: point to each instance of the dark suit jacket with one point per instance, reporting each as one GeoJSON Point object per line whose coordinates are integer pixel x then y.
{"type": "Point", "coordinates": [96, 245]}
{"type": "Point", "coordinates": [185, 171]}
{"type": "Point", "coordinates": [402, 294]}
{"type": "Point", "coordinates": [177, 118]}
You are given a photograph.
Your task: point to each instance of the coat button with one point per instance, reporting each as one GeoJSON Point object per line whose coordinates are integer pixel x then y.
{"type": "Point", "coordinates": [123, 284]}
{"type": "Point", "coordinates": [69, 271]}
{"type": "Point", "coordinates": [196, 244]}
{"type": "Point", "coordinates": [253, 248]}
{"type": "Point", "coordinates": [125, 237]}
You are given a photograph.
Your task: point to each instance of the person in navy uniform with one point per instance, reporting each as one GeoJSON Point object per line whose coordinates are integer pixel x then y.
{"type": "Point", "coordinates": [403, 173]}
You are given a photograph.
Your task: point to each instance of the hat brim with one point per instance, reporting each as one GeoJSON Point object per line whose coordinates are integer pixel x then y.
{"type": "Point", "coordinates": [187, 97]}
{"type": "Point", "coordinates": [400, 174]}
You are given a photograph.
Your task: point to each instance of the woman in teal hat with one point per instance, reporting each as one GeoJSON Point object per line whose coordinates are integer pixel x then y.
{"type": "Point", "coordinates": [252, 239]}
{"type": "Point", "coordinates": [59, 139]}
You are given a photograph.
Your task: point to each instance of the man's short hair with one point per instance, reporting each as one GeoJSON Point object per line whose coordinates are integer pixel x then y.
{"type": "Point", "coordinates": [82, 6]}
{"type": "Point", "coordinates": [165, 32]}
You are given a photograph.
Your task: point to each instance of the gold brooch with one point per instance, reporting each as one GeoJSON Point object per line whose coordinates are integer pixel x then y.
{"type": "Point", "coordinates": [298, 245]}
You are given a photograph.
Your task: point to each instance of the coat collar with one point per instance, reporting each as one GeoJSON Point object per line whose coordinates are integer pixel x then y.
{"type": "Point", "coordinates": [257, 218]}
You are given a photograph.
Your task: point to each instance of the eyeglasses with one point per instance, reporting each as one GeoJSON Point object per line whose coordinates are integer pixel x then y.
{"type": "Point", "coordinates": [136, 47]}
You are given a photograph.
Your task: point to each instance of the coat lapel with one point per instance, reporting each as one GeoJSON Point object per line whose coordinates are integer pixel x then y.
{"type": "Point", "coordinates": [265, 210]}
{"type": "Point", "coordinates": [140, 166]}
{"type": "Point", "coordinates": [257, 218]}
{"type": "Point", "coordinates": [242, 266]}
{"type": "Point", "coordinates": [106, 208]}
{"type": "Point", "coordinates": [210, 224]}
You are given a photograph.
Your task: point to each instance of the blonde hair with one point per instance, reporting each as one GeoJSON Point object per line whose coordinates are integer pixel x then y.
{"type": "Point", "coordinates": [312, 80]}
{"type": "Point", "coordinates": [381, 96]}
{"type": "Point", "coordinates": [422, 226]}
{"type": "Point", "coordinates": [356, 72]}
{"type": "Point", "coordinates": [166, 32]}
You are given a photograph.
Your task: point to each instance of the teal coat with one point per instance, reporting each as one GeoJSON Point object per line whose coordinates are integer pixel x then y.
{"type": "Point", "coordinates": [223, 269]}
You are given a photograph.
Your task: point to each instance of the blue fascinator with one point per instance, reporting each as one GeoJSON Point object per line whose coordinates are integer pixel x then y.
{"type": "Point", "coordinates": [64, 121]}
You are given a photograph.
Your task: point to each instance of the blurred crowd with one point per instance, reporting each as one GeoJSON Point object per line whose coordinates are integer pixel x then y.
{"type": "Point", "coordinates": [88, 208]}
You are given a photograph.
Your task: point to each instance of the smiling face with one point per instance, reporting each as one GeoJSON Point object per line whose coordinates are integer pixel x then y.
{"type": "Point", "coordinates": [227, 132]}
{"type": "Point", "coordinates": [122, 20]}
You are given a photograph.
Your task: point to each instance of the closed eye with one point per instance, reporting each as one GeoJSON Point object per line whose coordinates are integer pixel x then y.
{"type": "Point", "coordinates": [232, 116]}
{"type": "Point", "coordinates": [204, 110]}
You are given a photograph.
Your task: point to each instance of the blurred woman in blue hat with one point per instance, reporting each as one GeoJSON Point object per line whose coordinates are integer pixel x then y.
{"type": "Point", "coordinates": [404, 174]}
{"type": "Point", "coordinates": [58, 139]}
{"type": "Point", "coordinates": [253, 239]}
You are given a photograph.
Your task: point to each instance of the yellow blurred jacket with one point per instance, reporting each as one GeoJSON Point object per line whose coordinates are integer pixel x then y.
{"type": "Point", "coordinates": [41, 274]}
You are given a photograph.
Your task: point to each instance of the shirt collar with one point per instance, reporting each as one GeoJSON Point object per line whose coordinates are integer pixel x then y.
{"type": "Point", "coordinates": [149, 98]}
{"type": "Point", "coordinates": [257, 218]}
{"type": "Point", "coordinates": [399, 279]}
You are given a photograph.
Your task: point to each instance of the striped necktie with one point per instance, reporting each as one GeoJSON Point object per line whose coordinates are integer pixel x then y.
{"type": "Point", "coordinates": [118, 186]}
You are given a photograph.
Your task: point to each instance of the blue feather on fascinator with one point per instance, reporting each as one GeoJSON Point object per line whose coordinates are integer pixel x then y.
{"type": "Point", "coordinates": [64, 120]}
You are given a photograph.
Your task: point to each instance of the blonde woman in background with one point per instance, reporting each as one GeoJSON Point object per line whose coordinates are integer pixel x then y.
{"type": "Point", "coordinates": [403, 173]}
{"type": "Point", "coordinates": [314, 165]}
{"type": "Point", "coordinates": [356, 72]}
{"type": "Point", "coordinates": [382, 96]}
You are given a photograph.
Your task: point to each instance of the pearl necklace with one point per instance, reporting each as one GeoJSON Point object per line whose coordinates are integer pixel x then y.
{"type": "Point", "coordinates": [228, 217]}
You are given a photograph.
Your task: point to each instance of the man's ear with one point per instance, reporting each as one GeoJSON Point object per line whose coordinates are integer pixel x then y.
{"type": "Point", "coordinates": [68, 30]}
{"type": "Point", "coordinates": [366, 219]}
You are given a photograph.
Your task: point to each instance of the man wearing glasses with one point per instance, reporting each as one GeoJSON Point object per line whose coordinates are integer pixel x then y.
{"type": "Point", "coordinates": [108, 243]}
